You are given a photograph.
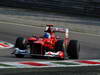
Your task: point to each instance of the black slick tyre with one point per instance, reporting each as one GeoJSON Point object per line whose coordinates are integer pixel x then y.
{"type": "Point", "coordinates": [73, 49]}
{"type": "Point", "coordinates": [21, 43]}
{"type": "Point", "coordinates": [19, 55]}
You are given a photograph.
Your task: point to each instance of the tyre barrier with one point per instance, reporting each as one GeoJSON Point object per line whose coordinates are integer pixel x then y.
{"type": "Point", "coordinates": [66, 67]}
{"type": "Point", "coordinates": [81, 7]}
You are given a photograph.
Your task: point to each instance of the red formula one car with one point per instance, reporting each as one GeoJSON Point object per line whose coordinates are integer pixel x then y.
{"type": "Point", "coordinates": [48, 45]}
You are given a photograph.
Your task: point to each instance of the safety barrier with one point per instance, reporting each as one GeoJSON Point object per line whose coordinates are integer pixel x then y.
{"type": "Point", "coordinates": [85, 7]}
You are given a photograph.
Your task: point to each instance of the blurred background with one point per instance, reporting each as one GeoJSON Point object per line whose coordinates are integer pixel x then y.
{"type": "Point", "coordinates": [79, 7]}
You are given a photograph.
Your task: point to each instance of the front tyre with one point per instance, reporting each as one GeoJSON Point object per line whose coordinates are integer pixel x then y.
{"type": "Point", "coordinates": [21, 43]}
{"type": "Point", "coordinates": [73, 49]}
{"type": "Point", "coordinates": [19, 55]}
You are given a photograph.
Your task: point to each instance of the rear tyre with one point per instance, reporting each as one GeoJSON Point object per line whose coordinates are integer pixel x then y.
{"type": "Point", "coordinates": [73, 49]}
{"type": "Point", "coordinates": [21, 43]}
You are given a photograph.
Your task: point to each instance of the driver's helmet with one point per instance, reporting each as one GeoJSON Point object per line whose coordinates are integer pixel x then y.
{"type": "Point", "coordinates": [47, 35]}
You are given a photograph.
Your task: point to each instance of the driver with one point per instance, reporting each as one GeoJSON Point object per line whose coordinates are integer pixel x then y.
{"type": "Point", "coordinates": [47, 35]}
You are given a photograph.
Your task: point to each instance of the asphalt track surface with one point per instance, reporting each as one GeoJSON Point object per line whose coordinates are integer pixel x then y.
{"type": "Point", "coordinates": [90, 44]}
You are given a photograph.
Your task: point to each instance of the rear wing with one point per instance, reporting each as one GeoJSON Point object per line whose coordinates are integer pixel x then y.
{"type": "Point", "coordinates": [61, 30]}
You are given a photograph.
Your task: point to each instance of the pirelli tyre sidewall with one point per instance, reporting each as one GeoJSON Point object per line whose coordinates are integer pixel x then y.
{"type": "Point", "coordinates": [73, 49]}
